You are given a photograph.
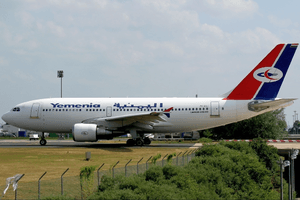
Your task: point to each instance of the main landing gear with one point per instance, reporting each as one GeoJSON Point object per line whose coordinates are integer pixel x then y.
{"type": "Point", "coordinates": [43, 141]}
{"type": "Point", "coordinates": [137, 139]}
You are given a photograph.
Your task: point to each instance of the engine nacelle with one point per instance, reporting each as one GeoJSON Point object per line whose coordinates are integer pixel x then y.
{"type": "Point", "coordinates": [85, 132]}
{"type": "Point", "coordinates": [89, 133]}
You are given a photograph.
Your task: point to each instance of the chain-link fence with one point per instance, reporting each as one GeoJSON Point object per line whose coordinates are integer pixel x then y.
{"type": "Point", "coordinates": [70, 186]}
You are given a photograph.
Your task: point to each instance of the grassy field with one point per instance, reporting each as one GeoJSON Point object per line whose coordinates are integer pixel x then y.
{"type": "Point", "coordinates": [33, 162]}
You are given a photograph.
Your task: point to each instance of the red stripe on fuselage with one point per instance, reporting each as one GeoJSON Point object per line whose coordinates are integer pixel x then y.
{"type": "Point", "coordinates": [249, 85]}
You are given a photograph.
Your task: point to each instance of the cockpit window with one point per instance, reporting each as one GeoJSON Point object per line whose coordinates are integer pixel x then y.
{"type": "Point", "coordinates": [16, 109]}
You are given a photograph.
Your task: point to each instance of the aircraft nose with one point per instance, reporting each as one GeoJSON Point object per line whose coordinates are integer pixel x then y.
{"type": "Point", "coordinates": [6, 117]}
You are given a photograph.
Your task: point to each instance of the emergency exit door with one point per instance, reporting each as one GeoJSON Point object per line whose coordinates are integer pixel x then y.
{"type": "Point", "coordinates": [108, 111]}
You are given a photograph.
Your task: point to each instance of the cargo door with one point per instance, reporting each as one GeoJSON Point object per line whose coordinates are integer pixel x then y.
{"type": "Point", "coordinates": [35, 110]}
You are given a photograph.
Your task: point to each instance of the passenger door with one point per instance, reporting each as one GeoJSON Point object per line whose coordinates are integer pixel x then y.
{"type": "Point", "coordinates": [35, 111]}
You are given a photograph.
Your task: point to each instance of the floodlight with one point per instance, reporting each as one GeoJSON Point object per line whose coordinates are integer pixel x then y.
{"type": "Point", "coordinates": [286, 163]}
{"type": "Point", "coordinates": [60, 73]}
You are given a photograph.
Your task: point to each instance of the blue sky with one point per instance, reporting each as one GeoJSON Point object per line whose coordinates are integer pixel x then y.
{"type": "Point", "coordinates": [140, 48]}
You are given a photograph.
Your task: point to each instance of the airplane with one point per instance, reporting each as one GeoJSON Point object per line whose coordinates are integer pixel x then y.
{"type": "Point", "coordinates": [92, 119]}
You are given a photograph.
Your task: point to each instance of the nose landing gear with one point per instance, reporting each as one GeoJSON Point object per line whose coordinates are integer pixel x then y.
{"type": "Point", "coordinates": [43, 141]}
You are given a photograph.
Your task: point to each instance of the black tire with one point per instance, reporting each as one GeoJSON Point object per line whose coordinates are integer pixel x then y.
{"type": "Point", "coordinates": [147, 141]}
{"type": "Point", "coordinates": [43, 142]}
{"type": "Point", "coordinates": [130, 142]}
{"type": "Point", "coordinates": [139, 142]}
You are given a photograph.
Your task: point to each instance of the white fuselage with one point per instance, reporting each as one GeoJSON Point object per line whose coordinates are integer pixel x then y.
{"type": "Point", "coordinates": [60, 114]}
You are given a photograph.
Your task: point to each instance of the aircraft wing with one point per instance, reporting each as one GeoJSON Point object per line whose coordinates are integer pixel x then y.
{"type": "Point", "coordinates": [143, 120]}
{"type": "Point", "coordinates": [278, 103]}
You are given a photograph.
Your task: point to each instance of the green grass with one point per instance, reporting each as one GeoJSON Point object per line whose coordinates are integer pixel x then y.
{"type": "Point", "coordinates": [33, 162]}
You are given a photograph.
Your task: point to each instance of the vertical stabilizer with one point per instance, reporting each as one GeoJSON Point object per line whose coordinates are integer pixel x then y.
{"type": "Point", "coordinates": [264, 81]}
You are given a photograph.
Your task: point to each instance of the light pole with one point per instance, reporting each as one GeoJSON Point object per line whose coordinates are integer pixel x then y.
{"type": "Point", "coordinates": [60, 74]}
{"type": "Point", "coordinates": [293, 155]}
{"type": "Point", "coordinates": [282, 166]}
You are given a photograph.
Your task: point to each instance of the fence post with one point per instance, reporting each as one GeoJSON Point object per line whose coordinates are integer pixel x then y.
{"type": "Point", "coordinates": [126, 167]}
{"type": "Point", "coordinates": [39, 185]}
{"type": "Point", "coordinates": [17, 188]}
{"type": "Point", "coordinates": [62, 182]}
{"type": "Point", "coordinates": [98, 174]}
{"type": "Point", "coordinates": [187, 156]}
{"type": "Point", "coordinates": [183, 158]}
{"type": "Point", "coordinates": [147, 162]}
{"type": "Point", "coordinates": [194, 153]}
{"type": "Point", "coordinates": [137, 166]}
{"type": "Point", "coordinates": [162, 162]}
{"type": "Point", "coordinates": [114, 169]}
{"type": "Point", "coordinates": [177, 158]}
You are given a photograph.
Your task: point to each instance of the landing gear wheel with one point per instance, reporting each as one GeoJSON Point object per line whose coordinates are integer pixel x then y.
{"type": "Point", "coordinates": [130, 142]}
{"type": "Point", "coordinates": [43, 142]}
{"type": "Point", "coordinates": [147, 141]}
{"type": "Point", "coordinates": [139, 142]}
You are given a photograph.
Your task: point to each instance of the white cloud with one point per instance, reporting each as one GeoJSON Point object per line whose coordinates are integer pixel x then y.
{"type": "Point", "coordinates": [55, 29]}
{"type": "Point", "coordinates": [213, 31]}
{"type": "Point", "coordinates": [23, 75]}
{"type": "Point", "coordinates": [225, 8]}
{"type": "Point", "coordinates": [3, 61]}
{"type": "Point", "coordinates": [27, 19]}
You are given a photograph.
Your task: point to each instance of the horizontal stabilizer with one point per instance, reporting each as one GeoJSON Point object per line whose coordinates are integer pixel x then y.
{"type": "Point", "coordinates": [275, 104]}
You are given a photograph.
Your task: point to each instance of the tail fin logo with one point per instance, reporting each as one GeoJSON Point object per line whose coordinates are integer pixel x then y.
{"type": "Point", "coordinates": [268, 74]}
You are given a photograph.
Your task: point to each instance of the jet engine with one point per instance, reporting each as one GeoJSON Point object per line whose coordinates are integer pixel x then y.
{"type": "Point", "coordinates": [88, 132]}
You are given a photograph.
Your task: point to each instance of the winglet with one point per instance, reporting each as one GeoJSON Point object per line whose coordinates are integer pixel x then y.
{"type": "Point", "coordinates": [264, 81]}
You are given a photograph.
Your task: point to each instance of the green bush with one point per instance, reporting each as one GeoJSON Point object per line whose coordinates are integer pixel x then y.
{"type": "Point", "coordinates": [229, 170]}
{"type": "Point", "coordinates": [205, 140]}
{"type": "Point", "coordinates": [87, 180]}
{"type": "Point", "coordinates": [154, 173]}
